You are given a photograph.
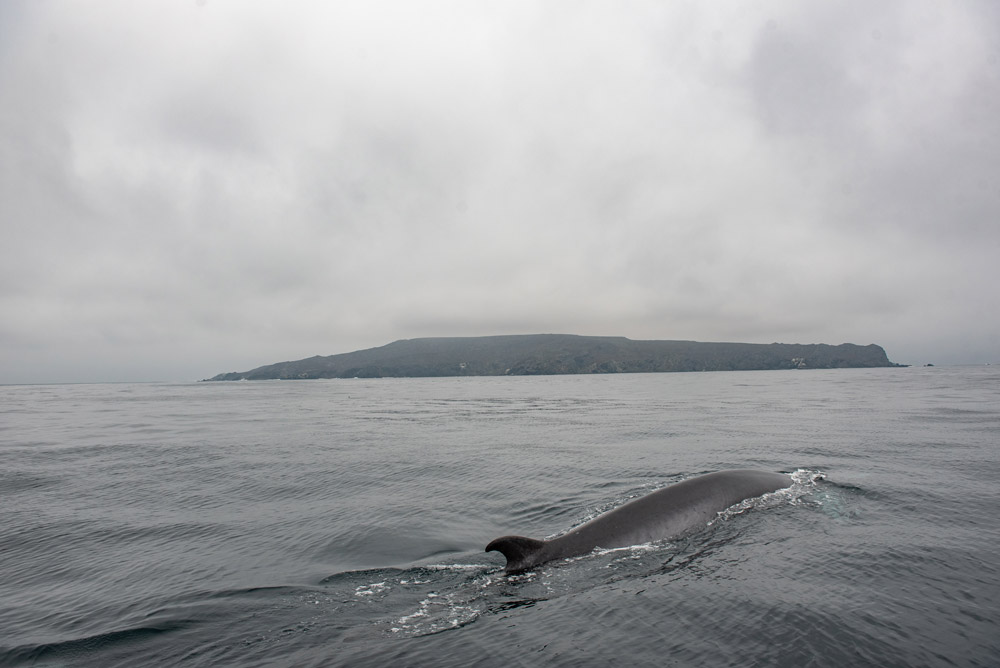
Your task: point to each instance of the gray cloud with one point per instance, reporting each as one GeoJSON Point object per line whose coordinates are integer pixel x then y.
{"type": "Point", "coordinates": [190, 188]}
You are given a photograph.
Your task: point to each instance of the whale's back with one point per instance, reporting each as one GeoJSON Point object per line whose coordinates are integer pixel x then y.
{"type": "Point", "coordinates": [664, 514]}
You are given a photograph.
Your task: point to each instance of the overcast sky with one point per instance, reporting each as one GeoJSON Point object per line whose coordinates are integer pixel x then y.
{"type": "Point", "coordinates": [195, 186]}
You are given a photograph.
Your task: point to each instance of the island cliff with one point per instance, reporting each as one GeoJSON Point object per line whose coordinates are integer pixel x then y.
{"type": "Point", "coordinates": [541, 354]}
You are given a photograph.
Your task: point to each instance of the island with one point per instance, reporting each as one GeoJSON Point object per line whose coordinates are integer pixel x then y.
{"type": "Point", "coordinates": [549, 354]}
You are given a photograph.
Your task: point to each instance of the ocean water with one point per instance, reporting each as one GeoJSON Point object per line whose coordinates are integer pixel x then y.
{"type": "Point", "coordinates": [342, 522]}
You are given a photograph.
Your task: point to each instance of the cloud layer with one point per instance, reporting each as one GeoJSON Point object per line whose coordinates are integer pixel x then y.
{"type": "Point", "coordinates": [190, 188]}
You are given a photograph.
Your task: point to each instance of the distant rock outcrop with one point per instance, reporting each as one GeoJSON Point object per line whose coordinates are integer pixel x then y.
{"type": "Point", "coordinates": [541, 354]}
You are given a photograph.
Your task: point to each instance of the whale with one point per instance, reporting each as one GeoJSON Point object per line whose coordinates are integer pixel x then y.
{"type": "Point", "coordinates": [664, 514]}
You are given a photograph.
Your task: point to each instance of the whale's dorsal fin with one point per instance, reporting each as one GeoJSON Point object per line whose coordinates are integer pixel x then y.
{"type": "Point", "coordinates": [519, 550]}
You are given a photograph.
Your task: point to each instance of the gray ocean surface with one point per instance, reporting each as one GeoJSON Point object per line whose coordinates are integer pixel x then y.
{"type": "Point", "coordinates": [342, 522]}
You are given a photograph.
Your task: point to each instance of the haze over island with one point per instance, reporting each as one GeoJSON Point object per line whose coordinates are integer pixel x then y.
{"type": "Point", "coordinates": [187, 187]}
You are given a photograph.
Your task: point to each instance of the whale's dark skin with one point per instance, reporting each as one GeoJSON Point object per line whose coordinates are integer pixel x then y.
{"type": "Point", "coordinates": [663, 514]}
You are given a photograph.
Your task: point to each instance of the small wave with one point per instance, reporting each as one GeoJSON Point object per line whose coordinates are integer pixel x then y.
{"type": "Point", "coordinates": [12, 482]}
{"type": "Point", "coordinates": [77, 648]}
{"type": "Point", "coordinates": [455, 567]}
{"type": "Point", "coordinates": [804, 482]}
{"type": "Point", "coordinates": [642, 547]}
{"type": "Point", "coordinates": [371, 589]}
{"type": "Point", "coordinates": [807, 476]}
{"type": "Point", "coordinates": [376, 585]}
{"type": "Point", "coordinates": [435, 614]}
{"type": "Point", "coordinates": [202, 595]}
{"type": "Point", "coordinates": [363, 574]}
{"type": "Point", "coordinates": [432, 598]}
{"type": "Point", "coordinates": [405, 574]}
